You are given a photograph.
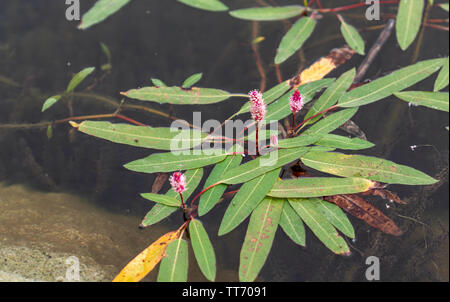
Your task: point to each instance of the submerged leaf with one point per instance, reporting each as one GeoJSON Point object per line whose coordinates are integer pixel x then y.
{"type": "Point", "coordinates": [268, 13]}
{"type": "Point", "coordinates": [174, 266]}
{"type": "Point", "coordinates": [78, 78]}
{"type": "Point", "coordinates": [50, 102]}
{"type": "Point", "coordinates": [101, 10]}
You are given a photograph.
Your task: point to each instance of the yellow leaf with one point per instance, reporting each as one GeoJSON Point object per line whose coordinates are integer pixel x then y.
{"type": "Point", "coordinates": [143, 263]}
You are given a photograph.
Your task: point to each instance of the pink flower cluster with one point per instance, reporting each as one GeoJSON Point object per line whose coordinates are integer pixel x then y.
{"type": "Point", "coordinates": [296, 101]}
{"type": "Point", "coordinates": [257, 106]}
{"type": "Point", "coordinates": [178, 182]}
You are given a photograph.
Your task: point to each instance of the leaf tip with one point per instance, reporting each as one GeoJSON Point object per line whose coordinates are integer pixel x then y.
{"type": "Point", "coordinates": [75, 125]}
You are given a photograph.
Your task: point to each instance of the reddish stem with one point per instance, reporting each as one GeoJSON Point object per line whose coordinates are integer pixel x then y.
{"type": "Point", "coordinates": [317, 114]}
{"type": "Point", "coordinates": [348, 7]}
{"type": "Point", "coordinates": [204, 190]}
{"type": "Point", "coordinates": [182, 201]}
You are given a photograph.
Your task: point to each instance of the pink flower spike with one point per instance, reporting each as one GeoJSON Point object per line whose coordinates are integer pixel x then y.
{"type": "Point", "coordinates": [296, 101]}
{"type": "Point", "coordinates": [178, 182]}
{"type": "Point", "coordinates": [257, 106]}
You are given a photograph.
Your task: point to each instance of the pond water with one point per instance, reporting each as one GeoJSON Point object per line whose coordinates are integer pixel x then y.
{"type": "Point", "coordinates": [70, 195]}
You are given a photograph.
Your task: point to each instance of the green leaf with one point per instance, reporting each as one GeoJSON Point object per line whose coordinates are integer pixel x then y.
{"type": "Point", "coordinates": [246, 199]}
{"type": "Point", "coordinates": [211, 5]}
{"type": "Point", "coordinates": [387, 85]}
{"type": "Point", "coordinates": [331, 95]}
{"type": "Point", "coordinates": [78, 78]}
{"type": "Point", "coordinates": [299, 141]}
{"type": "Point", "coordinates": [106, 51]}
{"type": "Point", "coordinates": [168, 162]}
{"type": "Point", "coordinates": [174, 266]}
{"type": "Point", "coordinates": [101, 10]}
{"type": "Point", "coordinates": [268, 13]}
{"type": "Point", "coordinates": [161, 211]}
{"type": "Point", "coordinates": [444, 6]}
{"type": "Point", "coordinates": [352, 37]}
{"type": "Point", "coordinates": [158, 82]}
{"type": "Point", "coordinates": [294, 38]}
{"type": "Point", "coordinates": [435, 100]}
{"type": "Point", "coordinates": [49, 131]}
{"type": "Point", "coordinates": [211, 197]}
{"type": "Point", "coordinates": [320, 226]}
{"type": "Point", "coordinates": [163, 199]}
{"type": "Point", "coordinates": [342, 142]}
{"type": "Point", "coordinates": [192, 80]}
{"type": "Point", "coordinates": [442, 78]}
{"type": "Point", "coordinates": [261, 165]}
{"type": "Point", "coordinates": [335, 216]}
{"type": "Point", "coordinates": [145, 137]}
{"type": "Point", "coordinates": [203, 249]}
{"type": "Point", "coordinates": [292, 224]}
{"type": "Point", "coordinates": [50, 102]}
{"type": "Point", "coordinates": [332, 122]}
{"type": "Point", "coordinates": [409, 19]}
{"type": "Point", "coordinates": [177, 95]}
{"type": "Point", "coordinates": [259, 238]}
{"type": "Point", "coordinates": [365, 166]}
{"type": "Point", "coordinates": [318, 187]}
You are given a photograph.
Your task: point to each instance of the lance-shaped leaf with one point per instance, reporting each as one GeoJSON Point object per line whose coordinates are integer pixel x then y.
{"type": "Point", "coordinates": [203, 249]}
{"type": "Point", "coordinates": [299, 141]}
{"type": "Point", "coordinates": [268, 13]}
{"type": "Point", "coordinates": [335, 216]}
{"type": "Point", "coordinates": [365, 166]}
{"type": "Point", "coordinates": [352, 37]}
{"type": "Point", "coordinates": [168, 162]}
{"type": "Point", "coordinates": [50, 102]}
{"type": "Point", "coordinates": [332, 122]}
{"type": "Point", "coordinates": [174, 266]}
{"type": "Point", "coordinates": [442, 79]}
{"type": "Point", "coordinates": [161, 211]}
{"type": "Point", "coordinates": [292, 224]}
{"type": "Point", "coordinates": [210, 5]}
{"type": "Point", "coordinates": [211, 197]}
{"type": "Point", "coordinates": [261, 165]}
{"type": "Point", "coordinates": [387, 85]}
{"type": "Point", "coordinates": [192, 80]}
{"type": "Point", "coordinates": [444, 6]}
{"type": "Point", "coordinates": [177, 95]}
{"type": "Point", "coordinates": [343, 142]}
{"type": "Point", "coordinates": [259, 238]}
{"type": "Point", "coordinates": [78, 78]}
{"type": "Point", "coordinates": [361, 209]}
{"type": "Point", "coordinates": [295, 37]}
{"type": "Point", "coordinates": [319, 186]}
{"type": "Point", "coordinates": [331, 95]}
{"type": "Point", "coordinates": [163, 199]}
{"type": "Point", "coordinates": [435, 100]}
{"type": "Point", "coordinates": [144, 263]}
{"type": "Point", "coordinates": [101, 10]}
{"type": "Point", "coordinates": [158, 82]}
{"type": "Point", "coordinates": [319, 225]}
{"type": "Point", "coordinates": [141, 136]}
{"type": "Point", "coordinates": [246, 199]}
{"type": "Point", "coordinates": [409, 18]}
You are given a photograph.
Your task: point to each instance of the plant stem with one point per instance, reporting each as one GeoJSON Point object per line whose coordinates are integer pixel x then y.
{"type": "Point", "coordinates": [257, 138]}
{"type": "Point", "coordinates": [317, 114]}
{"type": "Point", "coordinates": [182, 201]}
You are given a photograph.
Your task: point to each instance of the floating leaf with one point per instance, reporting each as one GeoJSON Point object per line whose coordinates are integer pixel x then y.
{"type": "Point", "coordinates": [101, 10]}
{"type": "Point", "coordinates": [294, 38]}
{"type": "Point", "coordinates": [168, 162]}
{"type": "Point", "coordinates": [342, 142]}
{"type": "Point", "coordinates": [365, 166]}
{"type": "Point", "coordinates": [174, 266]}
{"type": "Point", "coordinates": [156, 214]}
{"type": "Point", "coordinates": [144, 263]}
{"type": "Point", "coordinates": [319, 225]}
{"type": "Point", "coordinates": [192, 80]}
{"type": "Point", "coordinates": [211, 5]}
{"type": "Point", "coordinates": [387, 85]}
{"type": "Point", "coordinates": [246, 199]}
{"type": "Point", "coordinates": [409, 19]}
{"type": "Point", "coordinates": [318, 187]}
{"type": "Point", "coordinates": [292, 224]}
{"type": "Point", "coordinates": [158, 83]}
{"type": "Point", "coordinates": [352, 37]}
{"type": "Point", "coordinates": [442, 78]}
{"type": "Point", "coordinates": [335, 216]}
{"type": "Point", "coordinates": [142, 136]}
{"type": "Point", "coordinates": [435, 100]}
{"type": "Point", "coordinates": [163, 199]}
{"type": "Point", "coordinates": [268, 13]}
{"type": "Point", "coordinates": [177, 95]}
{"type": "Point", "coordinates": [299, 141]}
{"type": "Point", "coordinates": [332, 122]}
{"type": "Point", "coordinates": [50, 102]}
{"type": "Point", "coordinates": [203, 249]}
{"type": "Point", "coordinates": [261, 165]}
{"type": "Point", "coordinates": [259, 238]}
{"type": "Point", "coordinates": [361, 209]}
{"type": "Point", "coordinates": [78, 78]}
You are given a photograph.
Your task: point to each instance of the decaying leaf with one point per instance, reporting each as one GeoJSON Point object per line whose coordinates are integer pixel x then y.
{"type": "Point", "coordinates": [385, 194]}
{"type": "Point", "coordinates": [159, 182]}
{"type": "Point", "coordinates": [361, 209]}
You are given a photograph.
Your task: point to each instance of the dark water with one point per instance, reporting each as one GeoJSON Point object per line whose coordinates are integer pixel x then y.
{"type": "Point", "coordinates": [40, 51]}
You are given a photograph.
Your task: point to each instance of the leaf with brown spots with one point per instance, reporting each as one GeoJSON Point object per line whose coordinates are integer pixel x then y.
{"type": "Point", "coordinates": [385, 194]}
{"type": "Point", "coordinates": [361, 209]}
